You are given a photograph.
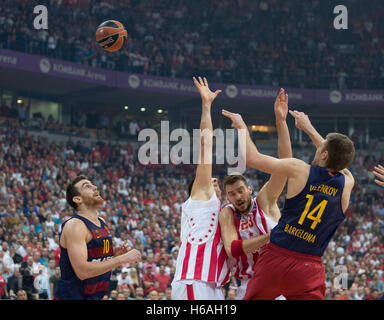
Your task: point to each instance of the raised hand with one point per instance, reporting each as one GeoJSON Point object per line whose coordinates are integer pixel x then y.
{"type": "Point", "coordinates": [302, 121]}
{"type": "Point", "coordinates": [378, 171]}
{"type": "Point", "coordinates": [237, 120]}
{"type": "Point", "coordinates": [207, 96]}
{"type": "Point", "coordinates": [281, 105]}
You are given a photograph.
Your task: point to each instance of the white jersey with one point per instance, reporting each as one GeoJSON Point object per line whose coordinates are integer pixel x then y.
{"type": "Point", "coordinates": [254, 223]}
{"type": "Point", "coordinates": [202, 255]}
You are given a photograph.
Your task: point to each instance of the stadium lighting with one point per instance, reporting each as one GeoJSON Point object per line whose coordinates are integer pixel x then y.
{"type": "Point", "coordinates": [159, 110]}
{"type": "Point", "coordinates": [19, 101]}
{"type": "Point", "coordinates": [125, 107]}
{"type": "Point", "coordinates": [143, 109]}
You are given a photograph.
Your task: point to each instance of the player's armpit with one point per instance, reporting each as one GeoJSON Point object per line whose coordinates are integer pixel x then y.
{"type": "Point", "coordinates": [270, 192]}
{"type": "Point", "coordinates": [228, 229]}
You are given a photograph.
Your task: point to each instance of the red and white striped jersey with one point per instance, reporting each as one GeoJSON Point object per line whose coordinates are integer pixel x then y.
{"type": "Point", "coordinates": [254, 223]}
{"type": "Point", "coordinates": [202, 255]}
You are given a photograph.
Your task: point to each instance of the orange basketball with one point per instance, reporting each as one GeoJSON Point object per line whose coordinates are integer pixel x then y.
{"type": "Point", "coordinates": [111, 35]}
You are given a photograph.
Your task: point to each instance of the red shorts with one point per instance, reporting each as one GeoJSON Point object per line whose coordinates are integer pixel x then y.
{"type": "Point", "coordinates": [295, 275]}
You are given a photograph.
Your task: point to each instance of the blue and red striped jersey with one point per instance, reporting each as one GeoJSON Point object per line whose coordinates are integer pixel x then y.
{"type": "Point", "coordinates": [100, 247]}
{"type": "Point", "coordinates": [309, 220]}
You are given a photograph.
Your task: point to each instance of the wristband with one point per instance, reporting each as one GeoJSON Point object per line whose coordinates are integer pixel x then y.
{"type": "Point", "coordinates": [237, 248]}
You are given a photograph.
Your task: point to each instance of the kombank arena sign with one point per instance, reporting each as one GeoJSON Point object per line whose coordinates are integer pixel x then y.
{"type": "Point", "coordinates": [122, 80]}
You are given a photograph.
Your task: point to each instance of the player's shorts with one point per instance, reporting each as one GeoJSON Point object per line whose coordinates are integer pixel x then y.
{"type": "Point", "coordinates": [196, 290]}
{"type": "Point", "coordinates": [241, 290]}
{"type": "Point", "coordinates": [295, 275]}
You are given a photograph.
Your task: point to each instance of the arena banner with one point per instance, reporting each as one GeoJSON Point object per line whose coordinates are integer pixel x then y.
{"type": "Point", "coordinates": [254, 93]}
{"type": "Point", "coordinates": [359, 97]}
{"type": "Point", "coordinates": [57, 68]}
{"type": "Point", "coordinates": [75, 71]}
{"type": "Point", "coordinates": [159, 84]}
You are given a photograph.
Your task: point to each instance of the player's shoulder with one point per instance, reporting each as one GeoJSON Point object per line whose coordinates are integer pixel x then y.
{"type": "Point", "coordinates": [74, 225]}
{"type": "Point", "coordinates": [349, 179]}
{"type": "Point", "coordinates": [227, 208]}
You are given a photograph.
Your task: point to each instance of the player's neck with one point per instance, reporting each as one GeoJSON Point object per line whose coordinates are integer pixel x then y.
{"type": "Point", "coordinates": [320, 163]}
{"type": "Point", "coordinates": [88, 213]}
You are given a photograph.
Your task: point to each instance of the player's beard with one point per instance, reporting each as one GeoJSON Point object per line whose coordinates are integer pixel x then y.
{"type": "Point", "coordinates": [93, 201]}
{"type": "Point", "coordinates": [240, 208]}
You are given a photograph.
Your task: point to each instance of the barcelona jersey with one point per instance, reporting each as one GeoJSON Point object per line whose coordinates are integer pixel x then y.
{"type": "Point", "coordinates": [309, 220]}
{"type": "Point", "coordinates": [70, 287]}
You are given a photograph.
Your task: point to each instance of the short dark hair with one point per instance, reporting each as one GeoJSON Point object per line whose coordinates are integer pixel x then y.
{"type": "Point", "coordinates": [233, 178]}
{"type": "Point", "coordinates": [341, 151]}
{"type": "Point", "coordinates": [73, 192]}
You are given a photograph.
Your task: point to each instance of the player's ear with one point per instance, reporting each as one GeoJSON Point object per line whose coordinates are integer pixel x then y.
{"type": "Point", "coordinates": [250, 190]}
{"type": "Point", "coordinates": [324, 155]}
{"type": "Point", "coordinates": [77, 200]}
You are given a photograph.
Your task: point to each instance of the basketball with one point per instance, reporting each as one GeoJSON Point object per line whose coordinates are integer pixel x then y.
{"type": "Point", "coordinates": [111, 35]}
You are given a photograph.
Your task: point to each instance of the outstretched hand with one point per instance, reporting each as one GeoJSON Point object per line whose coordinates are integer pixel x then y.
{"type": "Point", "coordinates": [378, 171]}
{"type": "Point", "coordinates": [207, 96]}
{"type": "Point", "coordinates": [281, 105]}
{"type": "Point", "coordinates": [237, 120]}
{"type": "Point", "coordinates": [302, 121]}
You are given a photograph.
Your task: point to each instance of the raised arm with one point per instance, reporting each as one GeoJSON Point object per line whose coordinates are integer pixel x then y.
{"type": "Point", "coordinates": [271, 191]}
{"type": "Point", "coordinates": [284, 147]}
{"type": "Point", "coordinates": [202, 188]}
{"type": "Point", "coordinates": [303, 123]}
{"type": "Point", "coordinates": [290, 167]}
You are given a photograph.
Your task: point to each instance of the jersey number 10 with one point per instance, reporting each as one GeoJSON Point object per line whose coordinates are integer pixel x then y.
{"type": "Point", "coordinates": [106, 246]}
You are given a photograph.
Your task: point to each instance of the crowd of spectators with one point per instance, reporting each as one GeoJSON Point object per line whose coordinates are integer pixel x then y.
{"type": "Point", "coordinates": [142, 207]}
{"type": "Point", "coordinates": [274, 42]}
{"type": "Point", "coordinates": [127, 126]}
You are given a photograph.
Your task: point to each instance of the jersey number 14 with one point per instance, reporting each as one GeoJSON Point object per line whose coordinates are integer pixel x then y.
{"type": "Point", "coordinates": [319, 209]}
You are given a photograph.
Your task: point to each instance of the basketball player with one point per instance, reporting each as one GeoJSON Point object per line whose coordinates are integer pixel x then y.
{"type": "Point", "coordinates": [246, 222]}
{"type": "Point", "coordinates": [87, 254]}
{"type": "Point", "coordinates": [201, 267]}
{"type": "Point", "coordinates": [317, 197]}
{"type": "Point", "coordinates": [378, 171]}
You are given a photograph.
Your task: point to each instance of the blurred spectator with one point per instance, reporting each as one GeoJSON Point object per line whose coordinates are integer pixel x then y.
{"type": "Point", "coordinates": [123, 279]}
{"type": "Point", "coordinates": [22, 295]}
{"type": "Point", "coordinates": [3, 286]}
{"type": "Point", "coordinates": [148, 280]}
{"type": "Point", "coordinates": [163, 278]}
{"type": "Point", "coordinates": [53, 281]}
{"type": "Point", "coordinates": [153, 295]}
{"type": "Point", "coordinates": [41, 283]}
{"type": "Point", "coordinates": [15, 282]}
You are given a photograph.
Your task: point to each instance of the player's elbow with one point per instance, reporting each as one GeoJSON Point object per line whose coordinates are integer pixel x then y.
{"type": "Point", "coordinates": [81, 273]}
{"type": "Point", "coordinates": [82, 276]}
{"type": "Point", "coordinates": [256, 162]}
